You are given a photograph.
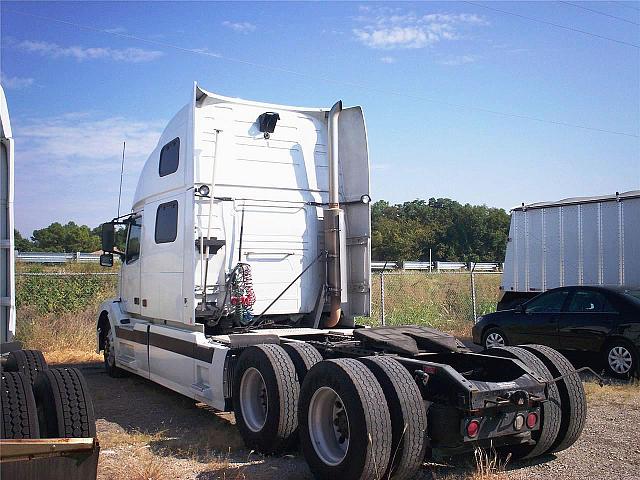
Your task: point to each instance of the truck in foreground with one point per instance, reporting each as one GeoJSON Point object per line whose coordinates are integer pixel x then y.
{"type": "Point", "coordinates": [246, 264]}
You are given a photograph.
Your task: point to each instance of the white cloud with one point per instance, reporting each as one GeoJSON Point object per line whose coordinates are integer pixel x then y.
{"type": "Point", "coordinates": [387, 59]}
{"type": "Point", "coordinates": [82, 143]}
{"type": "Point", "coordinates": [53, 50]}
{"type": "Point", "coordinates": [459, 60]}
{"type": "Point", "coordinates": [389, 28]}
{"type": "Point", "coordinates": [15, 83]}
{"type": "Point", "coordinates": [240, 27]}
{"type": "Point", "coordinates": [73, 161]}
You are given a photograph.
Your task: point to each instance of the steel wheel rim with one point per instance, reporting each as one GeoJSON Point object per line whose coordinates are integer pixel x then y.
{"type": "Point", "coordinates": [254, 402]}
{"type": "Point", "coordinates": [620, 360]}
{"type": "Point", "coordinates": [494, 340]}
{"type": "Point", "coordinates": [328, 426]}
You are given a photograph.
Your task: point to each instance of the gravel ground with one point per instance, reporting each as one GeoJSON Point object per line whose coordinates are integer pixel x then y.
{"type": "Point", "coordinates": [149, 432]}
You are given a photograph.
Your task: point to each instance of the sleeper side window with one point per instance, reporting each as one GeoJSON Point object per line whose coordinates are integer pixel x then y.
{"type": "Point", "coordinates": [133, 243]}
{"type": "Point", "coordinates": [169, 157]}
{"type": "Point", "coordinates": [167, 222]}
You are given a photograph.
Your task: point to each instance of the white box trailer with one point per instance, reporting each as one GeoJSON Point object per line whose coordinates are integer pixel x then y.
{"type": "Point", "coordinates": [247, 261]}
{"type": "Point", "coordinates": [576, 241]}
{"type": "Point", "coordinates": [7, 261]}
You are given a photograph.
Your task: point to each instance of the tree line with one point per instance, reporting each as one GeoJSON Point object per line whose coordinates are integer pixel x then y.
{"type": "Point", "coordinates": [407, 231]}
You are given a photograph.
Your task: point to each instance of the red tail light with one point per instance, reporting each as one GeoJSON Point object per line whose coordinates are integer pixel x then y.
{"type": "Point", "coordinates": [473, 427]}
{"type": "Point", "coordinates": [532, 420]}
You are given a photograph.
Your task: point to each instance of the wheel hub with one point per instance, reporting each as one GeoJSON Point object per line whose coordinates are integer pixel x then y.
{"type": "Point", "coordinates": [254, 401]}
{"type": "Point", "coordinates": [328, 426]}
{"type": "Point", "coordinates": [494, 340]}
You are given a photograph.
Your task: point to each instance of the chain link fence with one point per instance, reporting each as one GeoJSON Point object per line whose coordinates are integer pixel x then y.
{"type": "Point", "coordinates": [446, 301]}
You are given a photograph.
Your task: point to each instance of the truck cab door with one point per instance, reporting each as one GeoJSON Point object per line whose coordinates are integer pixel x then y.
{"type": "Point", "coordinates": [130, 280]}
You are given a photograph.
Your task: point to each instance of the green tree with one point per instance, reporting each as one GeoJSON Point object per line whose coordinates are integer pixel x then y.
{"type": "Point", "coordinates": [66, 238]}
{"type": "Point", "coordinates": [22, 244]}
{"type": "Point", "coordinates": [452, 231]}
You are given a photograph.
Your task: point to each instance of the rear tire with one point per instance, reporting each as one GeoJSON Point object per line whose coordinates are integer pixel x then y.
{"type": "Point", "coordinates": [345, 426]}
{"type": "Point", "coordinates": [620, 359]}
{"type": "Point", "coordinates": [303, 356]}
{"type": "Point", "coordinates": [572, 396]}
{"type": "Point", "coordinates": [408, 416]}
{"type": "Point", "coordinates": [65, 409]}
{"type": "Point", "coordinates": [27, 362]}
{"type": "Point", "coordinates": [19, 416]}
{"type": "Point", "coordinates": [550, 411]}
{"type": "Point", "coordinates": [265, 398]}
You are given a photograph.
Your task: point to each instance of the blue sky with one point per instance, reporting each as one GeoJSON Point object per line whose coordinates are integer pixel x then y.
{"type": "Point", "coordinates": [425, 74]}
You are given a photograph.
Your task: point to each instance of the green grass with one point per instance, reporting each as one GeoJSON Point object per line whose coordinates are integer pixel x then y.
{"type": "Point", "coordinates": [437, 300]}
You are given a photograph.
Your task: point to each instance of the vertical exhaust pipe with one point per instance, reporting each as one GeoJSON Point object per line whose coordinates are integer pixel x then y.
{"type": "Point", "coordinates": [332, 220]}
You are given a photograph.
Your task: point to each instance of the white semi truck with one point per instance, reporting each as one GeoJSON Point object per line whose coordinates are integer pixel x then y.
{"type": "Point", "coordinates": [575, 241]}
{"type": "Point", "coordinates": [246, 264]}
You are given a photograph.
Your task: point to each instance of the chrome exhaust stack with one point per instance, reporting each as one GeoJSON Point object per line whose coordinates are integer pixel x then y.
{"type": "Point", "coordinates": [334, 232]}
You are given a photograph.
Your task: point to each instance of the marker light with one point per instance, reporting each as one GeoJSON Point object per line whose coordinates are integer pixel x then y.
{"type": "Point", "coordinates": [365, 199]}
{"type": "Point", "coordinates": [532, 420]}
{"type": "Point", "coordinates": [473, 427]}
{"type": "Point", "coordinates": [518, 423]}
{"type": "Point", "coordinates": [203, 190]}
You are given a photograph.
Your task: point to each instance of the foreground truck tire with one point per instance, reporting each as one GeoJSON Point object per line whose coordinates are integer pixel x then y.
{"type": "Point", "coordinates": [18, 409]}
{"type": "Point", "coordinates": [303, 356]}
{"type": "Point", "coordinates": [65, 408]}
{"type": "Point", "coordinates": [551, 410]}
{"type": "Point", "coordinates": [27, 362]}
{"type": "Point", "coordinates": [345, 426]}
{"type": "Point", "coordinates": [265, 397]}
{"type": "Point", "coordinates": [572, 396]}
{"type": "Point", "coordinates": [408, 416]}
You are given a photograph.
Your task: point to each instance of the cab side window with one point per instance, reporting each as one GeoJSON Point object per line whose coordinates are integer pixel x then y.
{"type": "Point", "coordinates": [547, 302]}
{"type": "Point", "coordinates": [169, 157]}
{"type": "Point", "coordinates": [167, 222]}
{"type": "Point", "coordinates": [133, 243]}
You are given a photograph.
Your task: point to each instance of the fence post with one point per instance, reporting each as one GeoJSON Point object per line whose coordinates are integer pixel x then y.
{"type": "Point", "coordinates": [473, 291]}
{"type": "Point", "coordinates": [382, 322]}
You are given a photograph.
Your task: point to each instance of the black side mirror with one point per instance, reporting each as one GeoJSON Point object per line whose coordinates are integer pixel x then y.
{"type": "Point", "coordinates": [108, 238]}
{"type": "Point", "coordinates": [106, 260]}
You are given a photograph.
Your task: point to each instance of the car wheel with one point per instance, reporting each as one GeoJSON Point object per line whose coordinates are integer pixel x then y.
{"type": "Point", "coordinates": [621, 359]}
{"type": "Point", "coordinates": [494, 337]}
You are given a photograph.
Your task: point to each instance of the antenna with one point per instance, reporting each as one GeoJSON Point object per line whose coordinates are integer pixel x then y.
{"type": "Point", "coordinates": [124, 146]}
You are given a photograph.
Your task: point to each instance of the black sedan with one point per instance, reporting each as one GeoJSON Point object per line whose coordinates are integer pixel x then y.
{"type": "Point", "coordinates": [604, 320]}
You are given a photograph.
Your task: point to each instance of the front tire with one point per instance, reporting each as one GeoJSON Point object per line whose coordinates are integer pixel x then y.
{"type": "Point", "coordinates": [265, 398]}
{"type": "Point", "coordinates": [110, 357]}
{"type": "Point", "coordinates": [620, 359]}
{"type": "Point", "coordinates": [345, 426]}
{"type": "Point", "coordinates": [494, 337]}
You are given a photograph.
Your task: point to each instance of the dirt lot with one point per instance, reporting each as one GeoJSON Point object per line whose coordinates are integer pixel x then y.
{"type": "Point", "coordinates": [149, 432]}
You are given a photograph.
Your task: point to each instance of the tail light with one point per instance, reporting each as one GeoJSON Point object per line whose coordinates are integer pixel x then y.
{"type": "Point", "coordinates": [518, 422]}
{"type": "Point", "coordinates": [532, 420]}
{"type": "Point", "coordinates": [473, 428]}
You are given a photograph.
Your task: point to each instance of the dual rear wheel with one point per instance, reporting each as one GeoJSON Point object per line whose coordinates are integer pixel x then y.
{"type": "Point", "coordinates": [361, 419]}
